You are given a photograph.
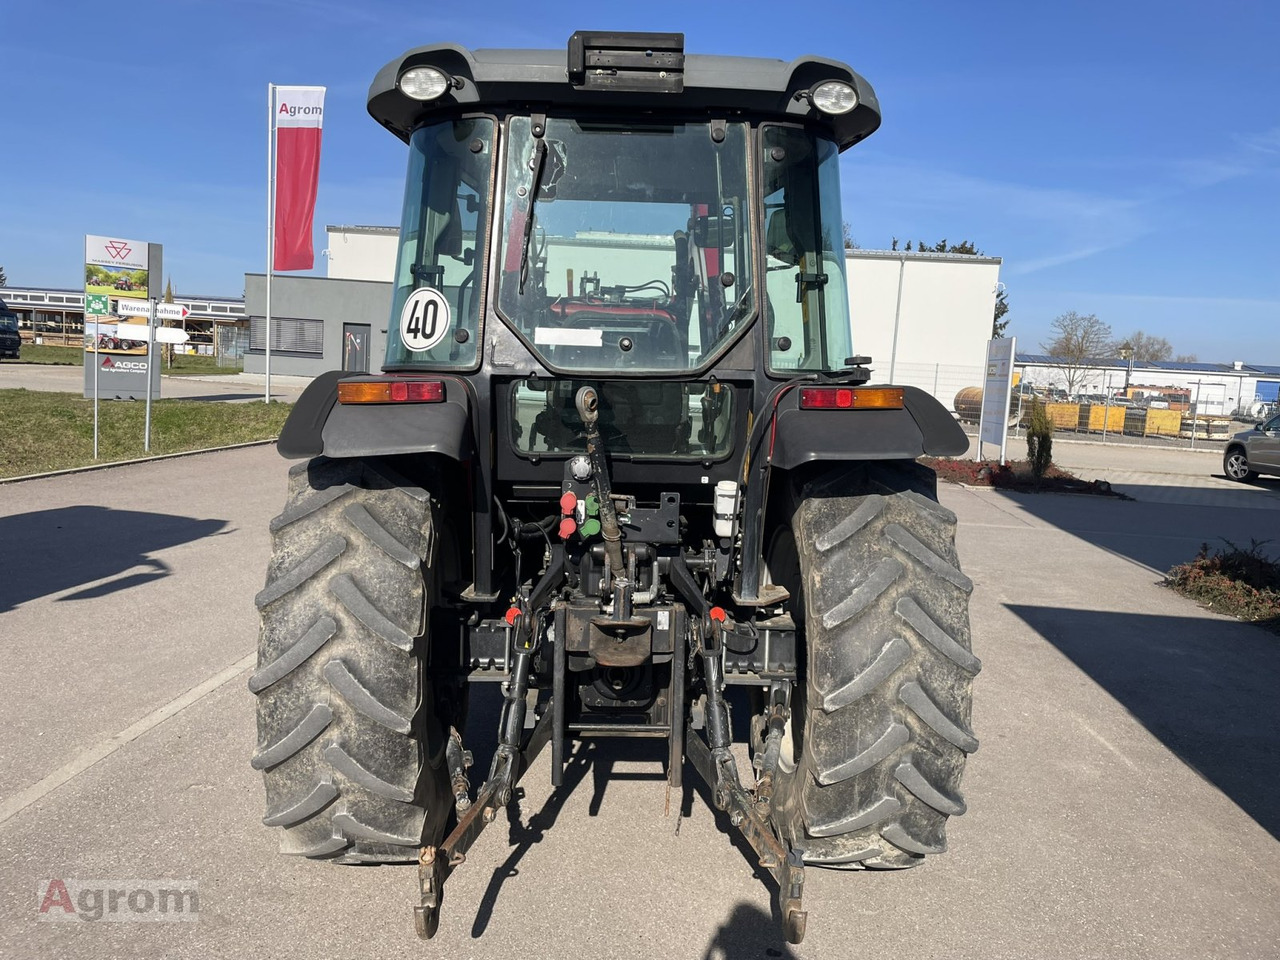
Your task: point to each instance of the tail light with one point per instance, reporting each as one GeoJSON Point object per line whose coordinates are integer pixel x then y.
{"type": "Point", "coordinates": [850, 398]}
{"type": "Point", "coordinates": [390, 391]}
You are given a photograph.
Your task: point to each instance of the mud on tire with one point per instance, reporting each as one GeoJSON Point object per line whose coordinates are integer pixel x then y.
{"type": "Point", "coordinates": [350, 748]}
{"type": "Point", "coordinates": [881, 729]}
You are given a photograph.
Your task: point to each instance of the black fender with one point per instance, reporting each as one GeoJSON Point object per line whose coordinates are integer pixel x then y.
{"type": "Point", "coordinates": [320, 426]}
{"type": "Point", "coordinates": [922, 427]}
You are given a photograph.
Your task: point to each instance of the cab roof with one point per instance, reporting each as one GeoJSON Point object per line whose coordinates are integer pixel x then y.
{"type": "Point", "coordinates": [554, 81]}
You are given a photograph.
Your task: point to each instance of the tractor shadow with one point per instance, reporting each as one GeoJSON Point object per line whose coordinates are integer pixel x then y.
{"type": "Point", "coordinates": [597, 759]}
{"type": "Point", "coordinates": [47, 552]}
{"type": "Point", "coordinates": [586, 757]}
{"type": "Point", "coordinates": [748, 934]}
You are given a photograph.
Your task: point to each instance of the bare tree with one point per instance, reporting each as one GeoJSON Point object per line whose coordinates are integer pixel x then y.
{"type": "Point", "coordinates": [1186, 358]}
{"type": "Point", "coordinates": [1078, 341]}
{"type": "Point", "coordinates": [1148, 348]}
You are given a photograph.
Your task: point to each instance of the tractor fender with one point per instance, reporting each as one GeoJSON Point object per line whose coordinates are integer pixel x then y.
{"type": "Point", "coordinates": [319, 425]}
{"type": "Point", "coordinates": [922, 427]}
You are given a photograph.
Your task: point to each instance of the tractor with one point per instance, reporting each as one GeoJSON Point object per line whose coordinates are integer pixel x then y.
{"type": "Point", "coordinates": [624, 461]}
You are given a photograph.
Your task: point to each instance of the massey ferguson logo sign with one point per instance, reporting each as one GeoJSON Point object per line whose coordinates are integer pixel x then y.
{"type": "Point", "coordinates": [117, 253]}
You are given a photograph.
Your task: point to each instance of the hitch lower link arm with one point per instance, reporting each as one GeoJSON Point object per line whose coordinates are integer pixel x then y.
{"type": "Point", "coordinates": [436, 863]}
{"type": "Point", "coordinates": [509, 763]}
{"type": "Point", "coordinates": [715, 764]}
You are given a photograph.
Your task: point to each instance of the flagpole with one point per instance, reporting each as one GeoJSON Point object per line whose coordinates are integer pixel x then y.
{"type": "Point", "coordinates": [271, 221]}
{"type": "Point", "coordinates": [97, 332]}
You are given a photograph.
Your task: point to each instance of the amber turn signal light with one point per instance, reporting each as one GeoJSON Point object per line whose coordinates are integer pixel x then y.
{"type": "Point", "coordinates": [390, 391]}
{"type": "Point", "coordinates": [850, 398]}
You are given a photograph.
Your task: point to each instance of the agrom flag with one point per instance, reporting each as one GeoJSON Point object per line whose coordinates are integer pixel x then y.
{"type": "Point", "coordinates": [297, 113]}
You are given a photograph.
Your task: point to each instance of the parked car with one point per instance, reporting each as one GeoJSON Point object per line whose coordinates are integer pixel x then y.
{"type": "Point", "coordinates": [1253, 452]}
{"type": "Point", "coordinates": [10, 340]}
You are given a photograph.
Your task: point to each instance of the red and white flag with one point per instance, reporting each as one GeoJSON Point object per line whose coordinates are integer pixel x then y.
{"type": "Point", "coordinates": [297, 113]}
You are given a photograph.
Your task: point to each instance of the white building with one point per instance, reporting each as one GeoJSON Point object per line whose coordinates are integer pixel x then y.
{"type": "Point", "coordinates": [361, 253]}
{"type": "Point", "coordinates": [923, 318]}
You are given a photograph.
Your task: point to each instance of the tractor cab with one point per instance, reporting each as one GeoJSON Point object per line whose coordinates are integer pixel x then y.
{"type": "Point", "coordinates": [627, 224]}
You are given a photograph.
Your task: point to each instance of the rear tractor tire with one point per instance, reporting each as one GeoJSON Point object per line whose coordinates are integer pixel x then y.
{"type": "Point", "coordinates": [348, 741]}
{"type": "Point", "coordinates": [880, 726]}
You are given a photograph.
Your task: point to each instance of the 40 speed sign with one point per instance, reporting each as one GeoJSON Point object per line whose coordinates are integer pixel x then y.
{"type": "Point", "coordinates": [425, 319]}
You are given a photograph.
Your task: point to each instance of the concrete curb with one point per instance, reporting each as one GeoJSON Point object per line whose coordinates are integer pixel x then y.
{"type": "Point", "coordinates": [1076, 441]}
{"type": "Point", "coordinates": [126, 463]}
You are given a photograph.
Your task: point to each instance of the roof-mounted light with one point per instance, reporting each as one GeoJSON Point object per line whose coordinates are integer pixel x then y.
{"type": "Point", "coordinates": [834, 97]}
{"type": "Point", "coordinates": [425, 83]}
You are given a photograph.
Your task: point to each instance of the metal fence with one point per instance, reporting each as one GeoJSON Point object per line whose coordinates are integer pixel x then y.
{"type": "Point", "coordinates": [230, 343]}
{"type": "Point", "coordinates": [944, 381]}
{"type": "Point", "coordinates": [958, 387]}
{"type": "Point", "coordinates": [1113, 423]}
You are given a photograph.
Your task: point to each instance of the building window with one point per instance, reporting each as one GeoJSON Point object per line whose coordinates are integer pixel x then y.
{"type": "Point", "coordinates": [288, 336]}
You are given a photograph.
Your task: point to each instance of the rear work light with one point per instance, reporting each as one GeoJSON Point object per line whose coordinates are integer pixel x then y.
{"type": "Point", "coordinates": [850, 398]}
{"type": "Point", "coordinates": [390, 391]}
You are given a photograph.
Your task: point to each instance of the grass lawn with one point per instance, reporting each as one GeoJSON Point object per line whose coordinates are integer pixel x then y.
{"type": "Point", "coordinates": [109, 290]}
{"type": "Point", "coordinates": [54, 431]}
{"type": "Point", "coordinates": [44, 353]}
{"type": "Point", "coordinates": [189, 363]}
{"type": "Point", "coordinates": [184, 364]}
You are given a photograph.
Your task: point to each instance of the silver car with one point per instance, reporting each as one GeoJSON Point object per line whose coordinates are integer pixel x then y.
{"type": "Point", "coordinates": [1253, 452]}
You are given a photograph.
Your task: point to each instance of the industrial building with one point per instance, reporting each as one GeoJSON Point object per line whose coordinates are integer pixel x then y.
{"type": "Point", "coordinates": [55, 315]}
{"type": "Point", "coordinates": [1210, 389]}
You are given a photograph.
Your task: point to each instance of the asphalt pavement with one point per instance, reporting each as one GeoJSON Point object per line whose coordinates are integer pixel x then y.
{"type": "Point", "coordinates": [1123, 802]}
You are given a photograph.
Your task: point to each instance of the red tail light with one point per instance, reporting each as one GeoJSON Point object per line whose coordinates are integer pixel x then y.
{"type": "Point", "coordinates": [390, 391]}
{"type": "Point", "coordinates": [850, 398]}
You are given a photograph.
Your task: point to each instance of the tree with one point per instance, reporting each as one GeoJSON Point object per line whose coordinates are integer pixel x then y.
{"type": "Point", "coordinates": [999, 323]}
{"type": "Point", "coordinates": [4, 280]}
{"type": "Point", "coordinates": [1147, 348]}
{"type": "Point", "coordinates": [168, 347]}
{"type": "Point", "coordinates": [1186, 358]}
{"type": "Point", "coordinates": [849, 242]}
{"type": "Point", "coordinates": [964, 246]}
{"type": "Point", "coordinates": [1077, 342]}
{"type": "Point", "coordinates": [1039, 439]}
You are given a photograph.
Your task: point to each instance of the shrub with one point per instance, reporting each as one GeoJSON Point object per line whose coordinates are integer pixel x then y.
{"type": "Point", "coordinates": [1238, 581]}
{"type": "Point", "coordinates": [1039, 439]}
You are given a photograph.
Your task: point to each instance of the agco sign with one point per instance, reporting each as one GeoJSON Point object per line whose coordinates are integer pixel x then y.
{"type": "Point", "coordinates": [122, 365]}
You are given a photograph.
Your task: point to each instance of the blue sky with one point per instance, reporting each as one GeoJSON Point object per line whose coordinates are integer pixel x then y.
{"type": "Point", "coordinates": [1123, 157]}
